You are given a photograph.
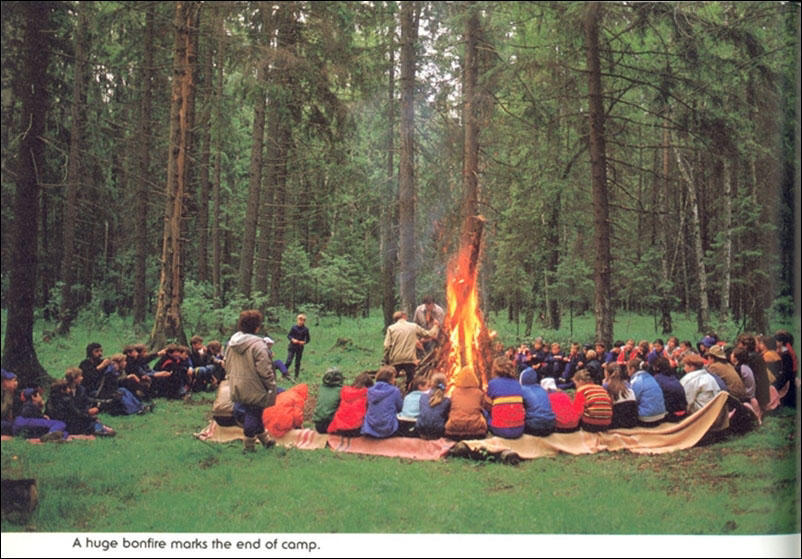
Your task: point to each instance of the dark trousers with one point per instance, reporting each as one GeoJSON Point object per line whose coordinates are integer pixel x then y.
{"type": "Point", "coordinates": [409, 369]}
{"type": "Point", "coordinates": [251, 419]}
{"type": "Point", "coordinates": [295, 351]}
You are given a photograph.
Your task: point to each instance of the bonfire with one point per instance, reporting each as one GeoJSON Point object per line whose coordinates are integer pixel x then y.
{"type": "Point", "coordinates": [464, 339]}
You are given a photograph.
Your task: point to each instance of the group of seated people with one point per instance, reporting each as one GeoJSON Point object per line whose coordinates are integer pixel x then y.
{"type": "Point", "coordinates": [539, 394]}
{"type": "Point", "coordinates": [123, 384]}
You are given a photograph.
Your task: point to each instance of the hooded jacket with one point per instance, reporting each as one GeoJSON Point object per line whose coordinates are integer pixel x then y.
{"type": "Point", "coordinates": [249, 367]}
{"type": "Point", "coordinates": [384, 402]}
{"type": "Point", "coordinates": [328, 397]}
{"type": "Point", "coordinates": [466, 420]}
{"type": "Point", "coordinates": [351, 412]}
{"type": "Point", "coordinates": [287, 413]}
{"type": "Point", "coordinates": [539, 415]}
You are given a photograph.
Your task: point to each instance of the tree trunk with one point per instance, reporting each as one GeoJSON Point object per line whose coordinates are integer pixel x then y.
{"type": "Point", "coordinates": [406, 172]}
{"type": "Point", "coordinates": [286, 112]}
{"type": "Point", "coordinates": [470, 155]}
{"type": "Point", "coordinates": [703, 314]}
{"type": "Point", "coordinates": [142, 190]}
{"type": "Point", "coordinates": [389, 241]}
{"type": "Point", "coordinates": [168, 323]}
{"type": "Point", "coordinates": [19, 355]}
{"type": "Point", "coordinates": [74, 173]}
{"type": "Point", "coordinates": [218, 122]}
{"type": "Point", "coordinates": [254, 183]}
{"type": "Point", "coordinates": [666, 267]}
{"type": "Point", "coordinates": [202, 228]}
{"type": "Point", "coordinates": [602, 265]}
{"type": "Point", "coordinates": [727, 265]}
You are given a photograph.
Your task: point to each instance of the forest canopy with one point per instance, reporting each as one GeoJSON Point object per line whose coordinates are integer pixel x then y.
{"type": "Point", "coordinates": [320, 154]}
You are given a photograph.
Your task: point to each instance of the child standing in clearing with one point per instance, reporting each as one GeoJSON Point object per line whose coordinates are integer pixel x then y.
{"type": "Point", "coordinates": [299, 337]}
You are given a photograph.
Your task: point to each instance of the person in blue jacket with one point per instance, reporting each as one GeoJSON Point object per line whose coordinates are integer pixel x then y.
{"type": "Point", "coordinates": [384, 403]}
{"type": "Point", "coordinates": [540, 419]}
{"type": "Point", "coordinates": [434, 408]}
{"type": "Point", "coordinates": [651, 404]}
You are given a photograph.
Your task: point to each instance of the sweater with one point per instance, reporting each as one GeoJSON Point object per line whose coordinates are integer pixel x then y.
{"type": "Point", "coordinates": [594, 405]}
{"type": "Point", "coordinates": [384, 402]}
{"type": "Point", "coordinates": [507, 412]}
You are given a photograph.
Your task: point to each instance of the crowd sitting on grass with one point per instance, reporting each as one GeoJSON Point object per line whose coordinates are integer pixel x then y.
{"type": "Point", "coordinates": [123, 384]}
{"type": "Point", "coordinates": [531, 389]}
{"type": "Point", "coordinates": [593, 389]}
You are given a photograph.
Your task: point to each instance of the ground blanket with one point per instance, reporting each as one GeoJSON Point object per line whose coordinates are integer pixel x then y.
{"type": "Point", "coordinates": [668, 437]}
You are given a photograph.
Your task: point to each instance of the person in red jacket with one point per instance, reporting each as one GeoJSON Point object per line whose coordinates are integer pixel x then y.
{"type": "Point", "coordinates": [567, 418]}
{"type": "Point", "coordinates": [350, 414]}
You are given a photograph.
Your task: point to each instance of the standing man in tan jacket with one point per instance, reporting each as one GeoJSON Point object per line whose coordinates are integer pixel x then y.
{"type": "Point", "coordinates": [400, 344]}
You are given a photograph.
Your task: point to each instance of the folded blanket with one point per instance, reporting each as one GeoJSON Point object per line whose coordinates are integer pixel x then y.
{"type": "Point", "coordinates": [397, 447]}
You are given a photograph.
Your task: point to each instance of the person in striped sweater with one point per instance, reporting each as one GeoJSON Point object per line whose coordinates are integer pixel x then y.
{"type": "Point", "coordinates": [593, 402]}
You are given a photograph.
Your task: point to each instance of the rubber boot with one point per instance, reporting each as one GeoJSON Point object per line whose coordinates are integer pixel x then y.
{"type": "Point", "coordinates": [249, 444]}
{"type": "Point", "coordinates": [265, 439]}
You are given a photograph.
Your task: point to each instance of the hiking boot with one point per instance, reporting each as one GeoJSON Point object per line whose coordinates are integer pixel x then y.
{"type": "Point", "coordinates": [460, 450]}
{"type": "Point", "coordinates": [266, 441]}
{"type": "Point", "coordinates": [249, 444]}
{"type": "Point", "coordinates": [510, 457]}
{"type": "Point", "coordinates": [52, 436]}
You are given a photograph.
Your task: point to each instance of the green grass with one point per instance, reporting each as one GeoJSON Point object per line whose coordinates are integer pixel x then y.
{"type": "Point", "coordinates": [156, 477]}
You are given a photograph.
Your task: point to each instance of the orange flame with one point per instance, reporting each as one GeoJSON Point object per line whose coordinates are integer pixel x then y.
{"type": "Point", "coordinates": [464, 323]}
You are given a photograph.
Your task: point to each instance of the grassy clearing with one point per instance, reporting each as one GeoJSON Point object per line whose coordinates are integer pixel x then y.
{"type": "Point", "coordinates": [155, 477]}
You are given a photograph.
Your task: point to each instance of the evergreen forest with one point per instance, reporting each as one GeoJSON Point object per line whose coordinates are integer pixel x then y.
{"type": "Point", "coordinates": [324, 156]}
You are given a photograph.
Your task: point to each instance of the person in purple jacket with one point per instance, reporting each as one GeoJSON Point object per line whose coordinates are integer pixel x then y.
{"type": "Point", "coordinates": [384, 403]}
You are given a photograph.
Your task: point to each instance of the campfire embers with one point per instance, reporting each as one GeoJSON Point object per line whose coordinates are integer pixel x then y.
{"type": "Point", "coordinates": [464, 340]}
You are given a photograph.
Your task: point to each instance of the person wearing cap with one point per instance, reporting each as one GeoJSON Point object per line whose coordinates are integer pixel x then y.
{"type": "Point", "coordinates": [11, 404]}
{"type": "Point", "coordinates": [277, 363]}
{"type": "Point", "coordinates": [721, 366]}
{"type": "Point", "coordinates": [328, 399]}
{"type": "Point", "coordinates": [539, 419]}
